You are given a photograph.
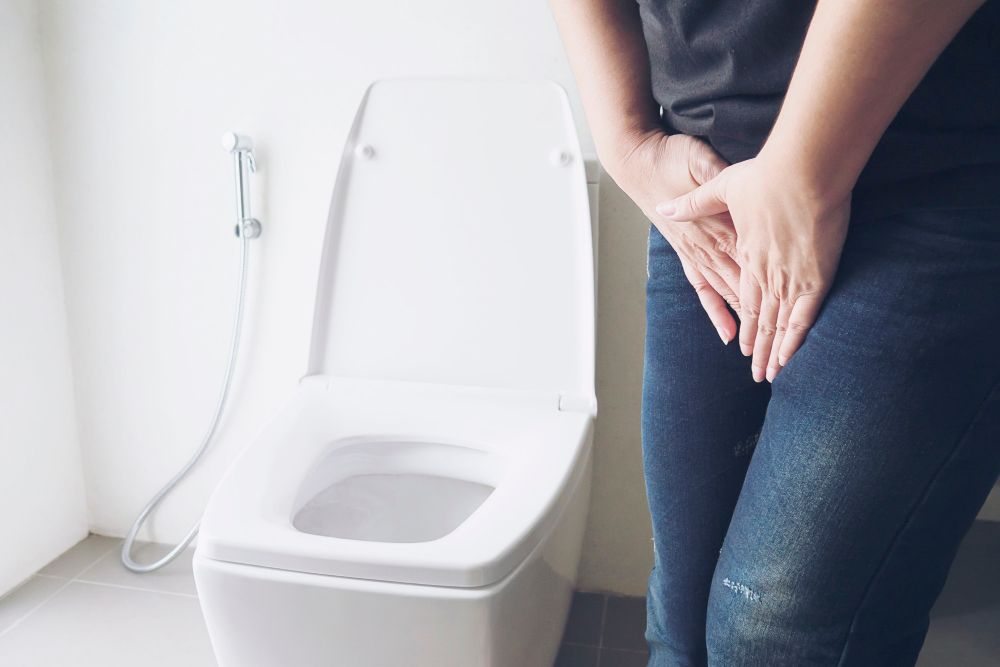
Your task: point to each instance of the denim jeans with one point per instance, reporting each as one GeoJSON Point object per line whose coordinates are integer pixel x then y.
{"type": "Point", "coordinates": [812, 522]}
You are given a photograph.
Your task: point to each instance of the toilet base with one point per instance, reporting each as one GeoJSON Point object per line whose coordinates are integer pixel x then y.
{"type": "Point", "coordinates": [263, 617]}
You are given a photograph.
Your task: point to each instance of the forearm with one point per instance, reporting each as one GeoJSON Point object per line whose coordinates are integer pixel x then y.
{"type": "Point", "coordinates": [860, 61]}
{"type": "Point", "coordinates": [607, 52]}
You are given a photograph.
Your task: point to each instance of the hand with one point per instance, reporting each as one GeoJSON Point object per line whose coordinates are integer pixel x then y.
{"type": "Point", "coordinates": [789, 238]}
{"type": "Point", "coordinates": [661, 166]}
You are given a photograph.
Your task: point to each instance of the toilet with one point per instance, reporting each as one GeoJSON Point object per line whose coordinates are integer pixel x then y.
{"type": "Point", "coordinates": [421, 500]}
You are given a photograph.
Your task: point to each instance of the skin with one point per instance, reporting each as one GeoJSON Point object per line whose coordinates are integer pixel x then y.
{"type": "Point", "coordinates": [608, 54]}
{"type": "Point", "coordinates": [789, 207]}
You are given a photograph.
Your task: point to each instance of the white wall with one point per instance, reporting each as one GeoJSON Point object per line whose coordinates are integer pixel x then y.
{"type": "Point", "coordinates": [139, 94]}
{"type": "Point", "coordinates": [42, 508]}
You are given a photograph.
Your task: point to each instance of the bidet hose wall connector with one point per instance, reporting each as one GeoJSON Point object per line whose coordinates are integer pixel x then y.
{"type": "Point", "coordinates": [219, 407]}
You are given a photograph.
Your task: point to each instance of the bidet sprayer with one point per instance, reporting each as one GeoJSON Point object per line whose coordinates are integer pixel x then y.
{"type": "Point", "coordinates": [246, 228]}
{"type": "Point", "coordinates": [241, 147]}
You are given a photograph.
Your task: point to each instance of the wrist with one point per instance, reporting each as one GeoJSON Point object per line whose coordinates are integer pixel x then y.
{"type": "Point", "coordinates": [824, 177]}
{"type": "Point", "coordinates": [619, 147]}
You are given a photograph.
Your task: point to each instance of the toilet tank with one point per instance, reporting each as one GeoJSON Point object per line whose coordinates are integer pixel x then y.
{"type": "Point", "coordinates": [458, 248]}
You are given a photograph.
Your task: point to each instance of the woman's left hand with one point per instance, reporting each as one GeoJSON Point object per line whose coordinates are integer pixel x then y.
{"type": "Point", "coordinates": [789, 235]}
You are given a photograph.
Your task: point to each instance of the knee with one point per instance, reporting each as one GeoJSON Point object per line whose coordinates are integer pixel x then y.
{"type": "Point", "coordinates": [750, 623]}
{"type": "Point", "coordinates": [736, 627]}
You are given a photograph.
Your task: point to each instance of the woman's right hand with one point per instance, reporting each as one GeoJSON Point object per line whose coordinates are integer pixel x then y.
{"type": "Point", "coordinates": [654, 167]}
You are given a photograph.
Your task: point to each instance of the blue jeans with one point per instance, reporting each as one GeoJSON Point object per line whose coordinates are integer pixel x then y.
{"type": "Point", "coordinates": [812, 522]}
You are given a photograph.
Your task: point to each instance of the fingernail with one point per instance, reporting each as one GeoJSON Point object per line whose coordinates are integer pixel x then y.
{"type": "Point", "coordinates": [722, 335]}
{"type": "Point", "coordinates": [757, 372]}
{"type": "Point", "coordinates": [771, 372]}
{"type": "Point", "coordinates": [782, 360]}
{"type": "Point", "coordinates": [666, 209]}
{"type": "Point", "coordinates": [747, 350]}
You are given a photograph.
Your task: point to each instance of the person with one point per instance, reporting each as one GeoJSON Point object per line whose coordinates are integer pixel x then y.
{"type": "Point", "coordinates": [826, 176]}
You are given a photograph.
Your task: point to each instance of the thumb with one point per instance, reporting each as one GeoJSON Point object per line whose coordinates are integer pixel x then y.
{"type": "Point", "coordinates": [704, 163]}
{"type": "Point", "coordinates": [705, 200]}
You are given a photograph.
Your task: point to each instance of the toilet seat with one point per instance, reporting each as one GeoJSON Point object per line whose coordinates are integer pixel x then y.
{"type": "Point", "coordinates": [537, 456]}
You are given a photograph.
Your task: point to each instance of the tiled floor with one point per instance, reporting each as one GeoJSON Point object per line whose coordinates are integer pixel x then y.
{"type": "Point", "coordinates": [606, 631]}
{"type": "Point", "coordinates": [85, 610]}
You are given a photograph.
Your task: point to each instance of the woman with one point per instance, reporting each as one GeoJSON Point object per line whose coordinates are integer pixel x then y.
{"type": "Point", "coordinates": [856, 238]}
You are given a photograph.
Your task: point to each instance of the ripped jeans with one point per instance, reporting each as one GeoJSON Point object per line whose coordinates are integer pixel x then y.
{"type": "Point", "coordinates": [812, 522]}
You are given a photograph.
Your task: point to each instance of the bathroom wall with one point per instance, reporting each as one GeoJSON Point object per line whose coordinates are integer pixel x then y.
{"type": "Point", "coordinates": [139, 94]}
{"type": "Point", "coordinates": [42, 506]}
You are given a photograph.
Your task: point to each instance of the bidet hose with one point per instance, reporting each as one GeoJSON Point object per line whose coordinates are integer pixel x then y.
{"type": "Point", "coordinates": [219, 407]}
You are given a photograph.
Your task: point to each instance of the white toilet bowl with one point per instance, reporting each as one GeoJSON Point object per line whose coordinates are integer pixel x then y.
{"type": "Point", "coordinates": [421, 500]}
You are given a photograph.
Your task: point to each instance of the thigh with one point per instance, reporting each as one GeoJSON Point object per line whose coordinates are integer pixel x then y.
{"type": "Point", "coordinates": [880, 444]}
{"type": "Point", "coordinates": [701, 415]}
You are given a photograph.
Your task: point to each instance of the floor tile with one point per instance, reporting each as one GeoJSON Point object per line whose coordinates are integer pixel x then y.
{"type": "Point", "coordinates": [175, 577]}
{"type": "Point", "coordinates": [585, 617]}
{"type": "Point", "coordinates": [86, 552]}
{"type": "Point", "coordinates": [614, 658]}
{"type": "Point", "coordinates": [25, 598]}
{"type": "Point", "coordinates": [965, 622]}
{"type": "Point", "coordinates": [970, 640]}
{"type": "Point", "coordinates": [625, 624]}
{"type": "Point", "coordinates": [574, 655]}
{"type": "Point", "coordinates": [974, 580]}
{"type": "Point", "coordinates": [88, 625]}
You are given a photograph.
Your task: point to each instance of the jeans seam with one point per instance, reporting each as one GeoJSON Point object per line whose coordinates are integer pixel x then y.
{"type": "Point", "coordinates": [959, 443]}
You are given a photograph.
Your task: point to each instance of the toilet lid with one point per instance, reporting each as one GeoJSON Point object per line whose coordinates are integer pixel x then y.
{"type": "Point", "coordinates": [458, 248]}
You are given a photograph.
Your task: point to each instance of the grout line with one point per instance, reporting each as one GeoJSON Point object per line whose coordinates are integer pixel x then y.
{"type": "Point", "coordinates": [47, 576]}
{"type": "Point", "coordinates": [99, 559]}
{"type": "Point", "coordinates": [68, 580]}
{"type": "Point", "coordinates": [604, 616]}
{"type": "Point", "coordinates": [606, 648]}
{"type": "Point", "coordinates": [624, 650]}
{"type": "Point", "coordinates": [37, 607]}
{"type": "Point", "coordinates": [133, 588]}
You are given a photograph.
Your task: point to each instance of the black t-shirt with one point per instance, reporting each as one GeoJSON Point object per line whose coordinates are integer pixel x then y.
{"type": "Point", "coordinates": [720, 69]}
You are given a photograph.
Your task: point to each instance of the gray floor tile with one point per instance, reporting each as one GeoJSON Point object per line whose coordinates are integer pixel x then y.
{"type": "Point", "coordinates": [974, 580]}
{"type": "Point", "coordinates": [614, 658]}
{"type": "Point", "coordinates": [625, 623]}
{"type": "Point", "coordinates": [89, 625]}
{"type": "Point", "coordinates": [965, 622]}
{"type": "Point", "coordinates": [574, 655]}
{"type": "Point", "coordinates": [175, 577]}
{"type": "Point", "coordinates": [25, 598]}
{"type": "Point", "coordinates": [86, 552]}
{"type": "Point", "coordinates": [586, 614]}
{"type": "Point", "coordinates": [969, 640]}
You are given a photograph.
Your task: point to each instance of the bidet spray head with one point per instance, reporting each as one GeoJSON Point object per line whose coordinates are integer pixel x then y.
{"type": "Point", "coordinates": [241, 148]}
